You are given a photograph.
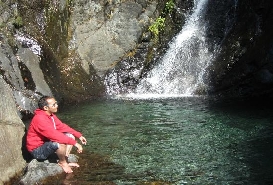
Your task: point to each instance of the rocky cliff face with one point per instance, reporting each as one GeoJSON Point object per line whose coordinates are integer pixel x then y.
{"type": "Point", "coordinates": [64, 48]}
{"type": "Point", "coordinates": [81, 40]}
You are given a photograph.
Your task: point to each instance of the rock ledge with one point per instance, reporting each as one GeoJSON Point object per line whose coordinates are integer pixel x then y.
{"type": "Point", "coordinates": [37, 171]}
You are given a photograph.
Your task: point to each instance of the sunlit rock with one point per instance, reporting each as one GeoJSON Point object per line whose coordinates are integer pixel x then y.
{"type": "Point", "coordinates": [11, 135]}
{"type": "Point", "coordinates": [36, 171]}
{"type": "Point", "coordinates": [105, 33]}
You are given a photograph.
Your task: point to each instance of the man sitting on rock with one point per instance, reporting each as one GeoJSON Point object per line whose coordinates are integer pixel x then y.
{"type": "Point", "coordinates": [47, 135]}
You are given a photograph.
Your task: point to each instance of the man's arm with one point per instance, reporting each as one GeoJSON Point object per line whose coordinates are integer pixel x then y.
{"type": "Point", "coordinates": [62, 127]}
{"type": "Point", "coordinates": [46, 128]}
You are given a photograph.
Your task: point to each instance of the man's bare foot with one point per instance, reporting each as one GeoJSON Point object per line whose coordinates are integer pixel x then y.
{"type": "Point", "coordinates": [73, 165]}
{"type": "Point", "coordinates": [66, 167]}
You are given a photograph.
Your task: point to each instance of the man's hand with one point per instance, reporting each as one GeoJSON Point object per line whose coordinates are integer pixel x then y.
{"type": "Point", "coordinates": [79, 147]}
{"type": "Point", "coordinates": [83, 140]}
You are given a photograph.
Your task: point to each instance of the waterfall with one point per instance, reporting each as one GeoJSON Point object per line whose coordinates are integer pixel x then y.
{"type": "Point", "coordinates": [180, 72]}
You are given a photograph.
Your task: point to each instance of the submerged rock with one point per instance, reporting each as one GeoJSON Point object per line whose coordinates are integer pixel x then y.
{"type": "Point", "coordinates": [37, 171]}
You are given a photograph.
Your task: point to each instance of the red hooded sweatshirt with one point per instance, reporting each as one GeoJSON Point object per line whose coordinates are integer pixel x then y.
{"type": "Point", "coordinates": [48, 128]}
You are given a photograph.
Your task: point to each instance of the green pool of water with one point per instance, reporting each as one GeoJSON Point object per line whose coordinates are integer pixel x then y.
{"type": "Point", "coordinates": [173, 141]}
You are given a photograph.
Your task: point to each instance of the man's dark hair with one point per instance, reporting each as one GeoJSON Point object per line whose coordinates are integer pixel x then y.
{"type": "Point", "coordinates": [43, 102]}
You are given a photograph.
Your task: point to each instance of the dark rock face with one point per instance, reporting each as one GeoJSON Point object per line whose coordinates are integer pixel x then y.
{"type": "Point", "coordinates": [23, 74]}
{"type": "Point", "coordinates": [243, 66]}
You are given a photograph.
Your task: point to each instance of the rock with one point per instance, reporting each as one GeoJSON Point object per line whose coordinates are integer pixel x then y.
{"type": "Point", "coordinates": [31, 61]}
{"type": "Point", "coordinates": [22, 73]}
{"type": "Point", "coordinates": [11, 135]}
{"type": "Point", "coordinates": [243, 67]}
{"type": "Point", "coordinates": [106, 32]}
{"type": "Point", "coordinates": [36, 171]}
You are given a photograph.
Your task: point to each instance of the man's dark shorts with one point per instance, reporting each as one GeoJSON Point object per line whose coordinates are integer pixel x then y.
{"type": "Point", "coordinates": [48, 148]}
{"type": "Point", "coordinates": [45, 150]}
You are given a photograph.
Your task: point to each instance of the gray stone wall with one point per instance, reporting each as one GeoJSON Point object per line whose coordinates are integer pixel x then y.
{"type": "Point", "coordinates": [11, 135]}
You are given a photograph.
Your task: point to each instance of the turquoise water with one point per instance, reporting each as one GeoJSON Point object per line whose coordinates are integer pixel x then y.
{"type": "Point", "coordinates": [174, 141]}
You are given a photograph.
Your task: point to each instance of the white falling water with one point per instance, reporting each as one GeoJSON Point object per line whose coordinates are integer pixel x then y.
{"type": "Point", "coordinates": [180, 72]}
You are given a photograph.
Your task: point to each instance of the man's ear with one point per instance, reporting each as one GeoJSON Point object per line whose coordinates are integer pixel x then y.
{"type": "Point", "coordinates": [45, 108]}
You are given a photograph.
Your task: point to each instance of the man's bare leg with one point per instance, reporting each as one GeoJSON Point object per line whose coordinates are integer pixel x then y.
{"type": "Point", "coordinates": [61, 153]}
{"type": "Point", "coordinates": [68, 150]}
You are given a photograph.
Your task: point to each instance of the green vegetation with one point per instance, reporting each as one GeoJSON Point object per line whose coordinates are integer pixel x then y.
{"type": "Point", "coordinates": [169, 6]}
{"type": "Point", "coordinates": [157, 26]}
{"type": "Point", "coordinates": [18, 22]}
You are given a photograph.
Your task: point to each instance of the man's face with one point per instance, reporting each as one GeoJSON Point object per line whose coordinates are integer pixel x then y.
{"type": "Point", "coordinates": [52, 106]}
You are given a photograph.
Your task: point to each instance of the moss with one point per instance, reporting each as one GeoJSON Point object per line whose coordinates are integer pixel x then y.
{"type": "Point", "coordinates": [18, 22]}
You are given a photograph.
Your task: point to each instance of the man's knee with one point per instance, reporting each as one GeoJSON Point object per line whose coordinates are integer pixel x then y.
{"type": "Point", "coordinates": [62, 146]}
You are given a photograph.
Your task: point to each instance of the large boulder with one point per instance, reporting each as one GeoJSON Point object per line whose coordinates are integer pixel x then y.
{"type": "Point", "coordinates": [11, 135]}
{"type": "Point", "coordinates": [38, 171]}
{"type": "Point", "coordinates": [21, 71]}
{"type": "Point", "coordinates": [105, 32]}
